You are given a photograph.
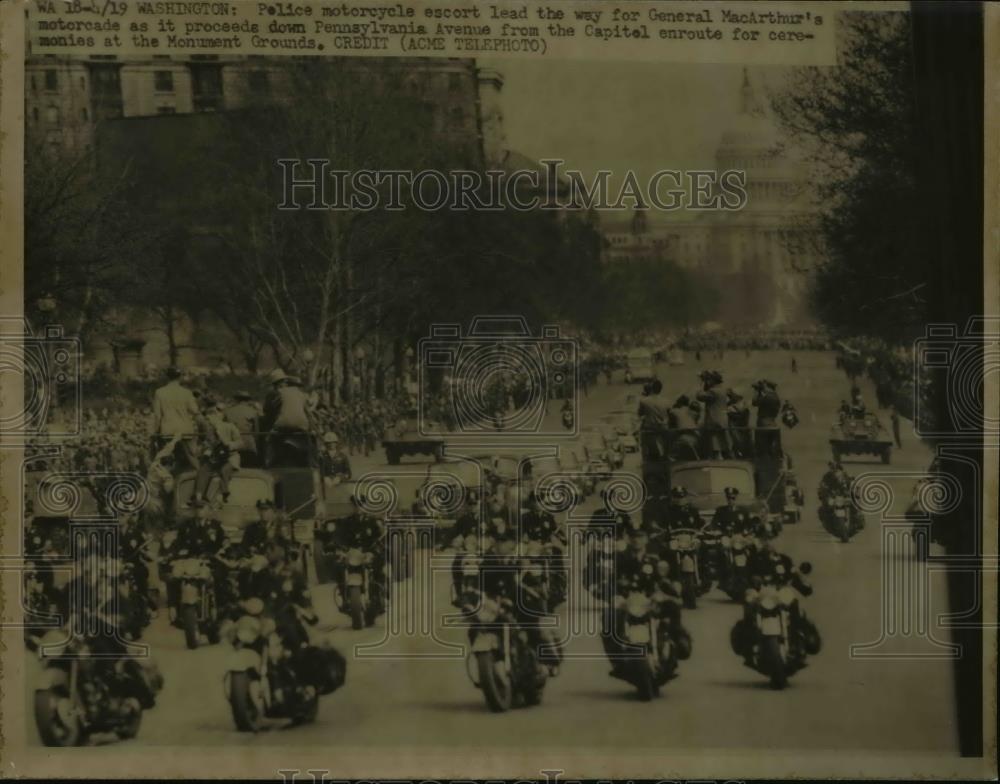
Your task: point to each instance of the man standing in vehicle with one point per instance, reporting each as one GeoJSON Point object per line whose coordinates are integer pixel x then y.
{"type": "Point", "coordinates": [286, 417]}
{"type": "Point", "coordinates": [174, 413]}
{"type": "Point", "coordinates": [768, 406]}
{"type": "Point", "coordinates": [714, 418]}
{"type": "Point", "coordinates": [245, 414]}
{"type": "Point", "coordinates": [220, 456]}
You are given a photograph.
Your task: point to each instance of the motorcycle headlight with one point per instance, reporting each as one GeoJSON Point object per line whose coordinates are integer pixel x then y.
{"type": "Point", "coordinates": [750, 595]}
{"type": "Point", "coordinates": [725, 541]}
{"type": "Point", "coordinates": [786, 596]}
{"type": "Point", "coordinates": [637, 604]}
{"type": "Point", "coordinates": [488, 612]}
{"type": "Point", "coordinates": [779, 569]}
{"type": "Point", "coordinates": [769, 602]}
{"type": "Point", "coordinates": [355, 558]}
{"type": "Point", "coordinates": [247, 630]}
{"type": "Point", "coordinates": [331, 527]}
{"type": "Point", "coordinates": [254, 605]}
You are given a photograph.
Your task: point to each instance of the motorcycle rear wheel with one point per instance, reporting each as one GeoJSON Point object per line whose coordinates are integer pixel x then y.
{"type": "Point", "coordinates": [497, 690]}
{"type": "Point", "coordinates": [246, 717]}
{"type": "Point", "coordinates": [188, 617]}
{"type": "Point", "coordinates": [51, 727]}
{"type": "Point", "coordinates": [356, 606]}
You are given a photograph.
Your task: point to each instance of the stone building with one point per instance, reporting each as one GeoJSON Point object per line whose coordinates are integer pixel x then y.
{"type": "Point", "coordinates": [768, 249]}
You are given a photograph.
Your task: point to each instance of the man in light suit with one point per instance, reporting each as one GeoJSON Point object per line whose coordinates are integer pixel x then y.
{"type": "Point", "coordinates": [174, 413]}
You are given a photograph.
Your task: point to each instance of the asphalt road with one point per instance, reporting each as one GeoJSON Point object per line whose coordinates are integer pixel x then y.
{"type": "Point", "coordinates": [838, 702]}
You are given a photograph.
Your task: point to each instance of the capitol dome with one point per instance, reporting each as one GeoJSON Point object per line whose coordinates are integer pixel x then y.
{"type": "Point", "coordinates": [751, 135]}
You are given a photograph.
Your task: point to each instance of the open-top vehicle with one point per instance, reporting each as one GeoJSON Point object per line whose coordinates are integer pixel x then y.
{"type": "Point", "coordinates": [760, 478]}
{"type": "Point", "coordinates": [639, 366]}
{"type": "Point", "coordinates": [860, 435]}
{"type": "Point", "coordinates": [410, 437]}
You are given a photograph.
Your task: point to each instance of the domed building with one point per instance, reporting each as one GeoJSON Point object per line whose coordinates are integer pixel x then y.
{"type": "Point", "coordinates": [761, 256]}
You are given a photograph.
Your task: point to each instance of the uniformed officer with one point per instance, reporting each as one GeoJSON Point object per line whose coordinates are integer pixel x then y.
{"type": "Point", "coordinates": [264, 529]}
{"type": "Point", "coordinates": [728, 518]}
{"type": "Point", "coordinates": [681, 513]}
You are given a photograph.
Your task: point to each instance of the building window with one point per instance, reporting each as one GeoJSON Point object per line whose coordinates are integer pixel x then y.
{"type": "Point", "coordinates": [83, 83]}
{"type": "Point", "coordinates": [164, 81]}
{"type": "Point", "coordinates": [458, 117]}
{"type": "Point", "coordinates": [166, 109]}
{"type": "Point", "coordinates": [51, 79]}
{"type": "Point", "coordinates": [34, 114]}
{"type": "Point", "coordinates": [258, 81]}
{"type": "Point", "coordinates": [84, 114]}
{"type": "Point", "coordinates": [34, 84]}
{"type": "Point", "coordinates": [52, 114]}
{"type": "Point", "coordinates": [454, 82]}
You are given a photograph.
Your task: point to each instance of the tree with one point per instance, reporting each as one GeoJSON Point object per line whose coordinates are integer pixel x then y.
{"type": "Point", "coordinates": [82, 235]}
{"type": "Point", "coordinates": [858, 125]}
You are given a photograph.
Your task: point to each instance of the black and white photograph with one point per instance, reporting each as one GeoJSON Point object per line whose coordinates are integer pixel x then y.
{"type": "Point", "coordinates": [402, 397]}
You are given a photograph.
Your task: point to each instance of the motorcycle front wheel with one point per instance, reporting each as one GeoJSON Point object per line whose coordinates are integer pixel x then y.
{"type": "Point", "coordinates": [496, 688]}
{"type": "Point", "coordinates": [246, 716]}
{"type": "Point", "coordinates": [845, 531]}
{"type": "Point", "coordinates": [189, 623]}
{"type": "Point", "coordinates": [131, 728]}
{"type": "Point", "coordinates": [689, 591]}
{"type": "Point", "coordinates": [356, 606]}
{"type": "Point", "coordinates": [55, 727]}
{"type": "Point", "coordinates": [644, 684]}
{"type": "Point", "coordinates": [774, 662]}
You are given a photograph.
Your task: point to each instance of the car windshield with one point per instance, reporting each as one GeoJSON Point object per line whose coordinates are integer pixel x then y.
{"type": "Point", "coordinates": [712, 480]}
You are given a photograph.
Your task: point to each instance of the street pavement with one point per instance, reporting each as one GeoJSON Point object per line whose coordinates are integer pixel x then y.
{"type": "Point", "coordinates": [901, 701]}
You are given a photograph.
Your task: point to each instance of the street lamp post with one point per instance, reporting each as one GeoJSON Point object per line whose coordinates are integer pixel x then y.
{"type": "Point", "coordinates": [359, 356]}
{"type": "Point", "coordinates": [47, 305]}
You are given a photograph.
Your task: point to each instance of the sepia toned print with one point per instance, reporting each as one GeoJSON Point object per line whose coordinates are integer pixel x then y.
{"type": "Point", "coordinates": [402, 401]}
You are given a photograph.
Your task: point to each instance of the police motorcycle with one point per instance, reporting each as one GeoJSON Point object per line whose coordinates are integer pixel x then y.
{"type": "Point", "coordinates": [684, 546]}
{"type": "Point", "coordinates": [90, 686]}
{"type": "Point", "coordinates": [712, 563]}
{"type": "Point", "coordinates": [360, 595]}
{"type": "Point", "coordinates": [647, 622]}
{"type": "Point", "coordinates": [648, 631]}
{"type": "Point", "coordinates": [266, 679]}
{"type": "Point", "coordinates": [505, 657]}
{"type": "Point", "coordinates": [198, 608]}
{"type": "Point", "coordinates": [839, 516]}
{"type": "Point", "coordinates": [739, 548]}
{"type": "Point", "coordinates": [774, 637]}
